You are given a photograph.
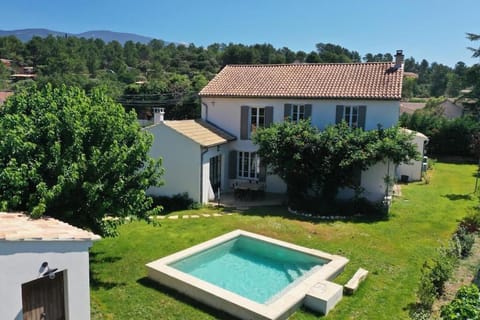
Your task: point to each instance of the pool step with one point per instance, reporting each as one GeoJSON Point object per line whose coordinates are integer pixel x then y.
{"type": "Point", "coordinates": [352, 285]}
{"type": "Point", "coordinates": [323, 296]}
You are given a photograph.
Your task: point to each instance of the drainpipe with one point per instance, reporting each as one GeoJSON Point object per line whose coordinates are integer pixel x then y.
{"type": "Point", "coordinates": [205, 150]}
{"type": "Point", "coordinates": [206, 110]}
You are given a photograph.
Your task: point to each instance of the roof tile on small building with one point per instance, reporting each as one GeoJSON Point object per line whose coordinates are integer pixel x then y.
{"type": "Point", "coordinates": [200, 131]}
{"type": "Point", "coordinates": [18, 227]}
{"type": "Point", "coordinates": [326, 81]}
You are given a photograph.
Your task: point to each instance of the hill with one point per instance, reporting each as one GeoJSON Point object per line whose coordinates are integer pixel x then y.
{"type": "Point", "coordinates": [107, 36]}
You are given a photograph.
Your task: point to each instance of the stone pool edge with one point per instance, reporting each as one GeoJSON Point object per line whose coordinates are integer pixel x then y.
{"type": "Point", "coordinates": [281, 308]}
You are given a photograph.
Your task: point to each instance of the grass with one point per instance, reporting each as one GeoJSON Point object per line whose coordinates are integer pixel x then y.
{"type": "Point", "coordinates": [393, 250]}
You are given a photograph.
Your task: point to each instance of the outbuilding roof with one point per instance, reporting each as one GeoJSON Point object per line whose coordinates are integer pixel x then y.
{"type": "Point", "coordinates": [200, 131]}
{"type": "Point", "coordinates": [19, 226]}
{"type": "Point", "coordinates": [379, 80]}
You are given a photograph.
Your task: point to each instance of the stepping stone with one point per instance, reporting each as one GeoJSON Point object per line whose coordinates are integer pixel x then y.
{"type": "Point", "coordinates": [354, 282]}
{"type": "Point", "coordinates": [194, 216]}
{"type": "Point", "coordinates": [217, 215]}
{"type": "Point", "coordinates": [173, 217]}
{"type": "Point", "coordinates": [160, 217]}
{"type": "Point", "coordinates": [206, 215]}
{"type": "Point", "coordinates": [185, 217]}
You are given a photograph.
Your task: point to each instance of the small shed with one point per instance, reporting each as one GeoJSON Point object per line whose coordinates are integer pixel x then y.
{"type": "Point", "coordinates": [412, 171]}
{"type": "Point", "coordinates": [44, 268]}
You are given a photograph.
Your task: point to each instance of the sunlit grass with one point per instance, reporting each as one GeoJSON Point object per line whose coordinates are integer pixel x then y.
{"type": "Point", "coordinates": [393, 250]}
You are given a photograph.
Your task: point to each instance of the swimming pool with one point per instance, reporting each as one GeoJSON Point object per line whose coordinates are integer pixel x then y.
{"type": "Point", "coordinates": [247, 275]}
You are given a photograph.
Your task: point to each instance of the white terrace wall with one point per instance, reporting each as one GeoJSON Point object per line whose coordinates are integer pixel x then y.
{"type": "Point", "coordinates": [20, 262]}
{"type": "Point", "coordinates": [181, 158]}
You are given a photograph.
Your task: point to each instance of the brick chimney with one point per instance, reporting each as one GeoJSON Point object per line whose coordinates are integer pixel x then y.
{"type": "Point", "coordinates": [399, 59]}
{"type": "Point", "coordinates": [158, 114]}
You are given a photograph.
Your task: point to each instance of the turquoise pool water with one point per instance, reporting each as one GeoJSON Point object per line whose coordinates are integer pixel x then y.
{"type": "Point", "coordinates": [252, 268]}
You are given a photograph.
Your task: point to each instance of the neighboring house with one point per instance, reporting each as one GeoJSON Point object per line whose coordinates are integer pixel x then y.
{"type": "Point", "coordinates": [44, 268]}
{"type": "Point", "coordinates": [242, 98]}
{"type": "Point", "coordinates": [451, 109]}
{"type": "Point", "coordinates": [411, 107]}
{"type": "Point", "coordinates": [4, 95]}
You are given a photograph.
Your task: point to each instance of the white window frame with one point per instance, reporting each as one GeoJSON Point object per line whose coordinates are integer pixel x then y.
{"type": "Point", "coordinates": [248, 165]}
{"type": "Point", "coordinates": [351, 115]}
{"type": "Point", "coordinates": [297, 113]}
{"type": "Point", "coordinates": [256, 116]}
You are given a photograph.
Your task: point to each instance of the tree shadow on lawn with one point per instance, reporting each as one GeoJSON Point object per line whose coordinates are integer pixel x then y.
{"type": "Point", "coordinates": [455, 197]}
{"type": "Point", "coordinates": [282, 211]}
{"type": "Point", "coordinates": [217, 314]}
{"type": "Point", "coordinates": [95, 281]}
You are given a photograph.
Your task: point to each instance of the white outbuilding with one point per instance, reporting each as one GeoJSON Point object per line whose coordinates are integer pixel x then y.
{"type": "Point", "coordinates": [412, 170]}
{"type": "Point", "coordinates": [44, 268]}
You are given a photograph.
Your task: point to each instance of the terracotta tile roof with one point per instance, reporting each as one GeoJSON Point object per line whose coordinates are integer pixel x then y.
{"type": "Point", "coordinates": [411, 107]}
{"type": "Point", "coordinates": [203, 133]}
{"type": "Point", "coordinates": [337, 80]}
{"type": "Point", "coordinates": [18, 226]}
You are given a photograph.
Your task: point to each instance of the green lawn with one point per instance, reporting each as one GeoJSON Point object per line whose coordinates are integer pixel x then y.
{"type": "Point", "coordinates": [392, 250]}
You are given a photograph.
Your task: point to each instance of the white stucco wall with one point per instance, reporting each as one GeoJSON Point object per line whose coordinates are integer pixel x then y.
{"type": "Point", "coordinates": [20, 262]}
{"type": "Point", "coordinates": [225, 113]}
{"type": "Point", "coordinates": [180, 159]}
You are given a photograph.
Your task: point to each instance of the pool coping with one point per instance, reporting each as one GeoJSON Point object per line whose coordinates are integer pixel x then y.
{"type": "Point", "coordinates": [279, 308]}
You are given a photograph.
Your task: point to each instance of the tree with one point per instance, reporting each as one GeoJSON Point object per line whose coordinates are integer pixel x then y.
{"type": "Point", "coordinates": [322, 162]}
{"type": "Point", "coordinates": [75, 157]}
{"type": "Point", "coordinates": [474, 37]}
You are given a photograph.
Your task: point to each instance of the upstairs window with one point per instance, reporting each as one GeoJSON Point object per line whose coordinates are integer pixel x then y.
{"type": "Point", "coordinates": [297, 112]}
{"type": "Point", "coordinates": [354, 116]}
{"type": "Point", "coordinates": [257, 119]}
{"type": "Point", "coordinates": [350, 115]}
{"type": "Point", "coordinates": [252, 118]}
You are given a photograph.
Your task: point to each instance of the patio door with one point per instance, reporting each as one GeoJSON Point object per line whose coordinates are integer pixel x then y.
{"type": "Point", "coordinates": [216, 173]}
{"type": "Point", "coordinates": [44, 298]}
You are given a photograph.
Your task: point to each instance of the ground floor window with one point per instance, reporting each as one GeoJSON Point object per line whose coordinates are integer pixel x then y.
{"type": "Point", "coordinates": [248, 165]}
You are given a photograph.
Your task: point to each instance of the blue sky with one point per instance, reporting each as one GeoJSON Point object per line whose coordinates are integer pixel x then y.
{"type": "Point", "coordinates": [425, 29]}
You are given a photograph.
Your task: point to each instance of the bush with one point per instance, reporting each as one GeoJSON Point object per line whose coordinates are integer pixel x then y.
{"type": "Point", "coordinates": [434, 276]}
{"type": "Point", "coordinates": [466, 305]}
{"type": "Point", "coordinates": [471, 223]}
{"type": "Point", "coordinates": [176, 202]}
{"type": "Point", "coordinates": [464, 240]}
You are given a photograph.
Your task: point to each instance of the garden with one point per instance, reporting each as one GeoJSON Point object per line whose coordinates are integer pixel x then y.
{"type": "Point", "coordinates": [394, 249]}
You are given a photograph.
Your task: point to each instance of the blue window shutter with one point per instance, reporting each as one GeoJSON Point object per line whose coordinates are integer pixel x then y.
{"type": "Point", "coordinates": [362, 113]}
{"type": "Point", "coordinates": [308, 111]}
{"type": "Point", "coordinates": [268, 116]}
{"type": "Point", "coordinates": [287, 111]}
{"type": "Point", "coordinates": [339, 114]}
{"type": "Point", "coordinates": [232, 165]}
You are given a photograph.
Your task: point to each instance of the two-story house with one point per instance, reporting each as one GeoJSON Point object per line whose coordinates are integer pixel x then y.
{"type": "Point", "coordinates": [242, 98]}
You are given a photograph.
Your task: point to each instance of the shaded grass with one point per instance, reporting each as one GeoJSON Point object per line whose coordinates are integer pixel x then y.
{"type": "Point", "coordinates": [393, 250]}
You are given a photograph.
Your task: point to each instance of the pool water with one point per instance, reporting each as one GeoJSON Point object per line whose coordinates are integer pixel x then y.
{"type": "Point", "coordinates": [252, 268]}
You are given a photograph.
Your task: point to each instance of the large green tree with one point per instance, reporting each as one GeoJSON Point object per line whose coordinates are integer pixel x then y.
{"type": "Point", "coordinates": [75, 157]}
{"type": "Point", "coordinates": [310, 160]}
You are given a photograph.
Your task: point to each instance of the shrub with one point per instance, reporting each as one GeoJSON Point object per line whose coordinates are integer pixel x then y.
{"type": "Point", "coordinates": [464, 240]}
{"type": "Point", "coordinates": [434, 276]}
{"type": "Point", "coordinates": [466, 304]}
{"type": "Point", "coordinates": [176, 202]}
{"type": "Point", "coordinates": [471, 223]}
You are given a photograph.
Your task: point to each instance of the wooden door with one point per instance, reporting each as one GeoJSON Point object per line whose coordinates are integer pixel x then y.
{"type": "Point", "coordinates": [44, 298]}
